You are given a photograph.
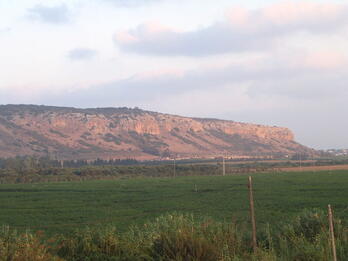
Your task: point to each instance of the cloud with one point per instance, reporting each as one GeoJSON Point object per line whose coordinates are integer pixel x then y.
{"type": "Point", "coordinates": [242, 30]}
{"type": "Point", "coordinates": [285, 78]}
{"type": "Point", "coordinates": [132, 3]}
{"type": "Point", "coordinates": [82, 54]}
{"type": "Point", "coordinates": [54, 15]}
{"type": "Point", "coordinates": [208, 41]}
{"type": "Point", "coordinates": [5, 30]}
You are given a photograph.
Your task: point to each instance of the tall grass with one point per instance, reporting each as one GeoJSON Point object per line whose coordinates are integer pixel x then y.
{"type": "Point", "coordinates": [23, 247]}
{"type": "Point", "coordinates": [181, 237]}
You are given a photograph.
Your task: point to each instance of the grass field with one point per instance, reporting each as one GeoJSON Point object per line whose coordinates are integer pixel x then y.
{"type": "Point", "coordinates": [63, 207]}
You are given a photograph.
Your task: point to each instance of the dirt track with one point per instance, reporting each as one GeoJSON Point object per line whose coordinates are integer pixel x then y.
{"type": "Point", "coordinates": [315, 168]}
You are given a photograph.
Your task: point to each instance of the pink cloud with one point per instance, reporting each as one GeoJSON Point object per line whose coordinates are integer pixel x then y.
{"type": "Point", "coordinates": [238, 16]}
{"type": "Point", "coordinates": [298, 12]}
{"type": "Point", "coordinates": [286, 15]}
{"type": "Point", "coordinates": [173, 72]}
{"type": "Point", "coordinates": [125, 37]}
{"type": "Point", "coordinates": [325, 60]}
{"type": "Point", "coordinates": [242, 30]}
{"type": "Point", "coordinates": [147, 30]}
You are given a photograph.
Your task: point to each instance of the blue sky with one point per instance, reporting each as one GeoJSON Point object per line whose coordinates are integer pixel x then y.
{"type": "Point", "coordinates": [281, 63]}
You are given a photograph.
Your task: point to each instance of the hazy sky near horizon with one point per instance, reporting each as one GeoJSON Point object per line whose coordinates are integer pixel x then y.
{"type": "Point", "coordinates": [281, 63]}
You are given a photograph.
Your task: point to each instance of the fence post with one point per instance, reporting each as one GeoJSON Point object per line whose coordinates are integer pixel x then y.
{"type": "Point", "coordinates": [332, 234]}
{"type": "Point", "coordinates": [252, 214]}
{"type": "Point", "coordinates": [223, 166]}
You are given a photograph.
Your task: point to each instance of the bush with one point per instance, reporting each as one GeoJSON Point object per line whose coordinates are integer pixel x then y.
{"type": "Point", "coordinates": [179, 237]}
{"type": "Point", "coordinates": [24, 247]}
{"type": "Point", "coordinates": [306, 238]}
{"type": "Point", "coordinates": [99, 244]}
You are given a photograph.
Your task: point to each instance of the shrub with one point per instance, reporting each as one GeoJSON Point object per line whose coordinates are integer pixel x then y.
{"type": "Point", "coordinates": [306, 238]}
{"type": "Point", "coordinates": [99, 244]}
{"type": "Point", "coordinates": [23, 247]}
{"type": "Point", "coordinates": [180, 237]}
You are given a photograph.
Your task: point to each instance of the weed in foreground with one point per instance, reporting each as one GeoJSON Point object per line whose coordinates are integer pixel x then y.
{"type": "Point", "coordinates": [181, 237]}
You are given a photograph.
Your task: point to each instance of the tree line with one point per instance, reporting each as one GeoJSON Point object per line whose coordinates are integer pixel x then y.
{"type": "Point", "coordinates": [27, 162]}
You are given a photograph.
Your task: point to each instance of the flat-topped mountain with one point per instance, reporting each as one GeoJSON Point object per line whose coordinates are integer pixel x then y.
{"type": "Point", "coordinates": [110, 133]}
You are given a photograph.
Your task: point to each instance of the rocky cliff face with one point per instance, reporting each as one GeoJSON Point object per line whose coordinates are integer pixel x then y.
{"type": "Point", "coordinates": [69, 133]}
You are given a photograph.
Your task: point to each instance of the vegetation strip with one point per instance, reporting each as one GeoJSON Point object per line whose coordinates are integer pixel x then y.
{"type": "Point", "coordinates": [183, 237]}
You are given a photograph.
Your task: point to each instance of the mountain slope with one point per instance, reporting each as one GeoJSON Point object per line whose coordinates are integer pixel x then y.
{"type": "Point", "coordinates": [70, 133]}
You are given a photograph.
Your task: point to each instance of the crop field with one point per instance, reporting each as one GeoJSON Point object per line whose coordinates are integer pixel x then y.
{"type": "Point", "coordinates": [63, 207]}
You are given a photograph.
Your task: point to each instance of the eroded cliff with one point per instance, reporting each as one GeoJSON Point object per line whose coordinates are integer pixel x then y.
{"type": "Point", "coordinates": [70, 133]}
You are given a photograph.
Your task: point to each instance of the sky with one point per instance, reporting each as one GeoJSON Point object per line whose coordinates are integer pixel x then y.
{"type": "Point", "coordinates": [282, 63]}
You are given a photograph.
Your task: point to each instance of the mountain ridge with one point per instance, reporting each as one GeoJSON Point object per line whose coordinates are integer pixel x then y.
{"type": "Point", "coordinates": [110, 133]}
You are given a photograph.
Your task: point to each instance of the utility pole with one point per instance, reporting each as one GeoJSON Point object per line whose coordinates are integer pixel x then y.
{"type": "Point", "coordinates": [174, 169]}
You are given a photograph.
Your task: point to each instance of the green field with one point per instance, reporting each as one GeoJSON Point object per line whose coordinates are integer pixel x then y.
{"type": "Point", "coordinates": [63, 207]}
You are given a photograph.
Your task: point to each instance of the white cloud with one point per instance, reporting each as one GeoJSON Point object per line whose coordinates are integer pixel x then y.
{"type": "Point", "coordinates": [5, 30]}
{"type": "Point", "coordinates": [49, 14]}
{"type": "Point", "coordinates": [132, 3]}
{"type": "Point", "coordinates": [82, 54]}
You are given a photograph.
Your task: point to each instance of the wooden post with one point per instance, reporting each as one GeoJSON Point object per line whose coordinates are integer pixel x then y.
{"type": "Point", "coordinates": [332, 234]}
{"type": "Point", "coordinates": [223, 167]}
{"type": "Point", "coordinates": [252, 214]}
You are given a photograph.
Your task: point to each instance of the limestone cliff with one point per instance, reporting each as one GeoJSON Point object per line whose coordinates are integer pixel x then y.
{"type": "Point", "coordinates": [70, 133]}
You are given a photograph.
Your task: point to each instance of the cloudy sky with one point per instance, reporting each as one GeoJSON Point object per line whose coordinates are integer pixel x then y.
{"type": "Point", "coordinates": [281, 63]}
